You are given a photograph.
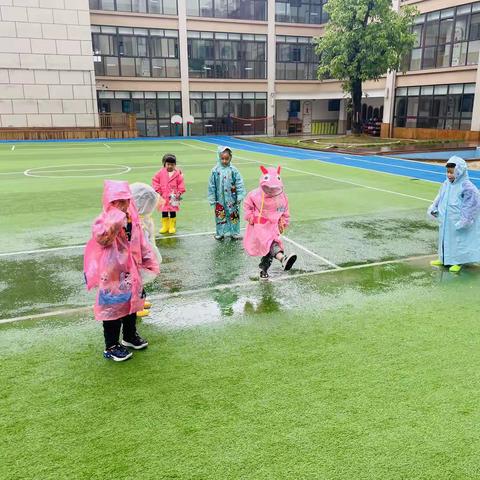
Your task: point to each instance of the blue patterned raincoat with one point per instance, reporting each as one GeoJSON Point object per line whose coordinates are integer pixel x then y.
{"type": "Point", "coordinates": [226, 192]}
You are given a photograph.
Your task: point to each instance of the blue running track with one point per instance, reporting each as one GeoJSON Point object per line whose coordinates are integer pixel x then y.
{"type": "Point", "coordinates": [395, 166]}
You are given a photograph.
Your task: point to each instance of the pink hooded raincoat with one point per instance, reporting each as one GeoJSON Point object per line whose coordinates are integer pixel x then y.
{"type": "Point", "coordinates": [112, 263]}
{"type": "Point", "coordinates": [266, 211]}
{"type": "Point", "coordinates": [167, 187]}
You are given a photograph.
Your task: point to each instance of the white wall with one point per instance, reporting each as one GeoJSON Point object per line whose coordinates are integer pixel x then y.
{"type": "Point", "coordinates": [46, 64]}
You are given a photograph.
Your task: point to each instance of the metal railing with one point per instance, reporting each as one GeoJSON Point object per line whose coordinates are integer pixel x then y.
{"type": "Point", "coordinates": [118, 120]}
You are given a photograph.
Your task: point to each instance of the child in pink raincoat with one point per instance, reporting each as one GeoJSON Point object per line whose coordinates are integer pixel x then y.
{"type": "Point", "coordinates": [169, 183]}
{"type": "Point", "coordinates": [112, 262]}
{"type": "Point", "coordinates": [267, 214]}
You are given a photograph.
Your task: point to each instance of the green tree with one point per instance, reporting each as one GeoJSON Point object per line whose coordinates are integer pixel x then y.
{"type": "Point", "coordinates": [363, 40]}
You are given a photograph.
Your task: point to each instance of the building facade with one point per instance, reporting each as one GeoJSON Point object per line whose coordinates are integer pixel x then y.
{"type": "Point", "coordinates": [225, 66]}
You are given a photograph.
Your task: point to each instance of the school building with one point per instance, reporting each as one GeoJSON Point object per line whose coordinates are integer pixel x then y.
{"type": "Point", "coordinates": [225, 67]}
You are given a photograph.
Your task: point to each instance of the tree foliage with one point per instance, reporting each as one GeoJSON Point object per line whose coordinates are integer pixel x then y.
{"type": "Point", "coordinates": [363, 40]}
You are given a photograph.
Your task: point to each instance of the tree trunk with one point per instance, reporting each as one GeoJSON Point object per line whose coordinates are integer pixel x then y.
{"type": "Point", "coordinates": [356, 93]}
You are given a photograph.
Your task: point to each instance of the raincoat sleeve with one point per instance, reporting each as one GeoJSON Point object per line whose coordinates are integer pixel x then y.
{"type": "Point", "coordinates": [180, 184]}
{"type": "Point", "coordinates": [249, 209]}
{"type": "Point", "coordinates": [156, 183]}
{"type": "Point", "coordinates": [107, 226]}
{"type": "Point", "coordinates": [241, 192]}
{"type": "Point", "coordinates": [284, 220]}
{"type": "Point", "coordinates": [212, 189]}
{"type": "Point", "coordinates": [149, 259]}
{"type": "Point", "coordinates": [470, 207]}
{"type": "Point", "coordinates": [432, 211]}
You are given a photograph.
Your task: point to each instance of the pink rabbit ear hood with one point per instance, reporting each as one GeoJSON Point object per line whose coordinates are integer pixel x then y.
{"type": "Point", "coordinates": [271, 181]}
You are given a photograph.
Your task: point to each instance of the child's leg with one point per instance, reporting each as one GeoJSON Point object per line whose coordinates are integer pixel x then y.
{"type": "Point", "coordinates": [165, 223]}
{"type": "Point", "coordinates": [276, 251]}
{"type": "Point", "coordinates": [173, 223]}
{"type": "Point", "coordinates": [111, 332]}
{"type": "Point", "coordinates": [131, 338]}
{"type": "Point", "coordinates": [265, 262]}
{"type": "Point", "coordinates": [286, 261]}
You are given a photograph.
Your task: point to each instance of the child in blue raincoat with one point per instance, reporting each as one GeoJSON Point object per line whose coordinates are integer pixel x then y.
{"type": "Point", "coordinates": [225, 193]}
{"type": "Point", "coordinates": [457, 209]}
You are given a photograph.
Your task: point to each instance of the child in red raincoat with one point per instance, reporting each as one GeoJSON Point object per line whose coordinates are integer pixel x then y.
{"type": "Point", "coordinates": [113, 259]}
{"type": "Point", "coordinates": [169, 183]}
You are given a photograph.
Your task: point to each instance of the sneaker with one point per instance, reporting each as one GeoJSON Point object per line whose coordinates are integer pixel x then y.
{"type": "Point", "coordinates": [264, 275]}
{"type": "Point", "coordinates": [147, 304]}
{"type": "Point", "coordinates": [288, 261]}
{"type": "Point", "coordinates": [143, 313]}
{"type": "Point", "coordinates": [236, 236]}
{"type": "Point", "coordinates": [137, 343]}
{"type": "Point", "coordinates": [218, 237]}
{"type": "Point", "coordinates": [436, 263]}
{"type": "Point", "coordinates": [455, 268]}
{"type": "Point", "coordinates": [117, 353]}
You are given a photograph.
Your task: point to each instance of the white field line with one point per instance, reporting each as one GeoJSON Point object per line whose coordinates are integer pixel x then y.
{"type": "Point", "coordinates": [329, 178]}
{"type": "Point", "coordinates": [13, 148]}
{"type": "Point", "coordinates": [72, 247]}
{"type": "Point", "coordinates": [313, 254]}
{"type": "Point", "coordinates": [163, 296]}
{"type": "Point", "coordinates": [141, 167]}
{"type": "Point", "coordinates": [105, 145]}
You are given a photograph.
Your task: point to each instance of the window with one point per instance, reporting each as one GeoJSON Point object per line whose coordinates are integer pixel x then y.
{"type": "Point", "coordinates": [446, 38]}
{"type": "Point", "coordinates": [439, 106]}
{"type": "Point", "coordinates": [161, 7]}
{"type": "Point", "coordinates": [296, 58]}
{"type": "Point", "coordinates": [241, 9]}
{"type": "Point", "coordinates": [152, 109]}
{"type": "Point", "coordinates": [228, 112]}
{"type": "Point", "coordinates": [135, 52]}
{"type": "Point", "coordinates": [301, 11]}
{"type": "Point", "coordinates": [226, 55]}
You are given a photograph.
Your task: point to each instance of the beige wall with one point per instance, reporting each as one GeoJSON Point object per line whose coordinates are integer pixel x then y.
{"type": "Point", "coordinates": [46, 64]}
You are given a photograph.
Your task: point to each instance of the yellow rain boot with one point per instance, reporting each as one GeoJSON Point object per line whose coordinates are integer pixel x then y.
{"type": "Point", "coordinates": [143, 313]}
{"type": "Point", "coordinates": [173, 225]}
{"type": "Point", "coordinates": [165, 225]}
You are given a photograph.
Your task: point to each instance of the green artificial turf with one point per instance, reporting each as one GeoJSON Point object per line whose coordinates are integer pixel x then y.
{"type": "Point", "coordinates": [360, 373]}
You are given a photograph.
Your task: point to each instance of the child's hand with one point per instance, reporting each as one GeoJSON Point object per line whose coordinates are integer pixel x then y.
{"type": "Point", "coordinates": [161, 202]}
{"type": "Point", "coordinates": [282, 225]}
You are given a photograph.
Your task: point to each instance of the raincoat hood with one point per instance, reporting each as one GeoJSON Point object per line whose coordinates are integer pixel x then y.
{"type": "Point", "coordinates": [115, 190]}
{"type": "Point", "coordinates": [220, 150]}
{"type": "Point", "coordinates": [270, 181]}
{"type": "Point", "coordinates": [461, 168]}
{"type": "Point", "coordinates": [145, 197]}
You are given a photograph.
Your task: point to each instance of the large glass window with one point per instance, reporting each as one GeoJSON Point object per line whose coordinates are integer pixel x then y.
{"type": "Point", "coordinates": [228, 112]}
{"type": "Point", "coordinates": [296, 58]}
{"type": "Point", "coordinates": [227, 55]}
{"type": "Point", "coordinates": [241, 9]}
{"type": "Point", "coordinates": [301, 11]}
{"type": "Point", "coordinates": [153, 110]}
{"type": "Point", "coordinates": [440, 106]}
{"type": "Point", "coordinates": [135, 52]}
{"type": "Point", "coordinates": [446, 38]}
{"type": "Point", "coordinates": [161, 7]}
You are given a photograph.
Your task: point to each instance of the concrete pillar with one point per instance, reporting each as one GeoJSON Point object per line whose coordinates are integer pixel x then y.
{"type": "Point", "coordinates": [476, 103]}
{"type": "Point", "coordinates": [388, 105]}
{"type": "Point", "coordinates": [182, 45]}
{"type": "Point", "coordinates": [342, 117]}
{"type": "Point", "coordinates": [271, 67]}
